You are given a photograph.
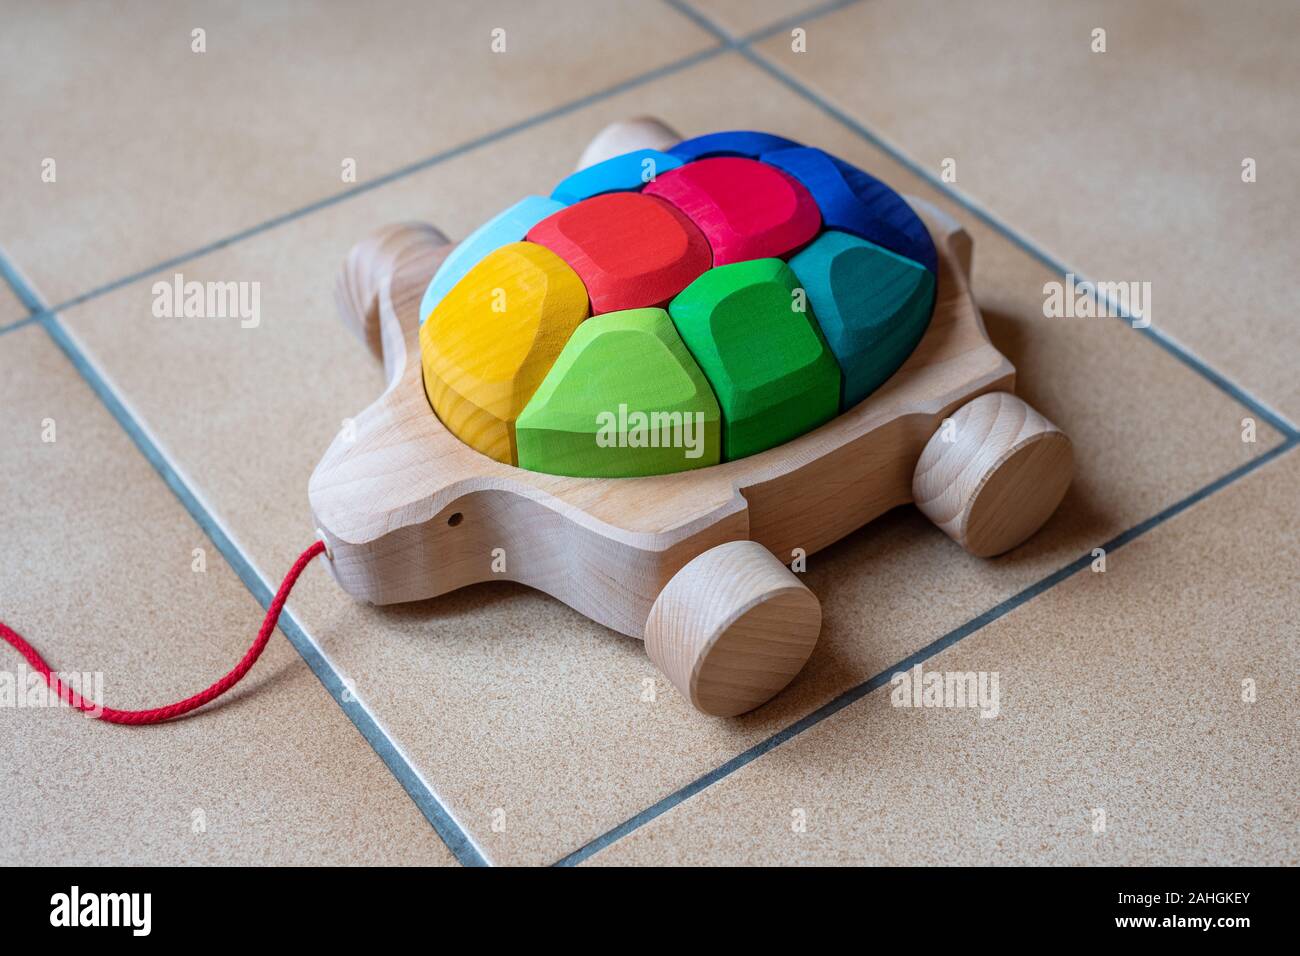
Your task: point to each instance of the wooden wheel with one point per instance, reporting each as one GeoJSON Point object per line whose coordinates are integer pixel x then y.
{"type": "Point", "coordinates": [732, 628]}
{"type": "Point", "coordinates": [993, 474]}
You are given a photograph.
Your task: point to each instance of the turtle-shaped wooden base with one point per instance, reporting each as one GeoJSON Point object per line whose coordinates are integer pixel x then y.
{"type": "Point", "coordinates": [691, 562]}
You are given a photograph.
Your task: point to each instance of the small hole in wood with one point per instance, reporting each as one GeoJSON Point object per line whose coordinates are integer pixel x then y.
{"type": "Point", "coordinates": [455, 519]}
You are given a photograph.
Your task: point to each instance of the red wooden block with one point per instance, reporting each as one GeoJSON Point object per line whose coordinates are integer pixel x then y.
{"type": "Point", "coordinates": [746, 209]}
{"type": "Point", "coordinates": [632, 251]}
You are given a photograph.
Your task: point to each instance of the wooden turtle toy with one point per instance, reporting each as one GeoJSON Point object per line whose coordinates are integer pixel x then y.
{"type": "Point", "coordinates": [692, 362]}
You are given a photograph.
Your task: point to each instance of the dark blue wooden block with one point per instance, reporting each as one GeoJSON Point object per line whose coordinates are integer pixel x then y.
{"type": "Point", "coordinates": [736, 142]}
{"type": "Point", "coordinates": [853, 201]}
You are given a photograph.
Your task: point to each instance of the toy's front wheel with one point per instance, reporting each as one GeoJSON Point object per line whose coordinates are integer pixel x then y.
{"type": "Point", "coordinates": [732, 628]}
{"type": "Point", "coordinates": [993, 474]}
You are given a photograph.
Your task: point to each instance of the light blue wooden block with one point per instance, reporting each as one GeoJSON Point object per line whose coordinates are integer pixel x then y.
{"type": "Point", "coordinates": [501, 230]}
{"type": "Point", "coordinates": [617, 174]}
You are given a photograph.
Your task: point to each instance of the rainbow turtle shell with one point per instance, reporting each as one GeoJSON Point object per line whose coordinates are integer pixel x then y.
{"type": "Point", "coordinates": [663, 311]}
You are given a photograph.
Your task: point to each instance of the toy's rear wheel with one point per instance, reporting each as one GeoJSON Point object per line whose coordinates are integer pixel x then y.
{"type": "Point", "coordinates": [732, 628]}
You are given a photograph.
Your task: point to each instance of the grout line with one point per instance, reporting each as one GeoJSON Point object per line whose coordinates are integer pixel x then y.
{"type": "Point", "coordinates": [772, 29]}
{"type": "Point", "coordinates": [22, 288]}
{"type": "Point", "coordinates": [428, 162]}
{"type": "Point", "coordinates": [413, 782]}
{"type": "Point", "coordinates": [930, 650]}
{"type": "Point", "coordinates": [726, 44]}
{"type": "Point", "coordinates": [1239, 394]}
{"type": "Point", "coordinates": [417, 787]}
{"type": "Point", "coordinates": [1272, 416]}
{"type": "Point", "coordinates": [22, 323]}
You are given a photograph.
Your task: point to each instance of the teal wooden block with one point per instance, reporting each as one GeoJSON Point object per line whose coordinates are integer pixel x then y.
{"type": "Point", "coordinates": [624, 399]}
{"type": "Point", "coordinates": [502, 229]}
{"type": "Point", "coordinates": [623, 173]}
{"type": "Point", "coordinates": [873, 307]}
{"type": "Point", "coordinates": [761, 350]}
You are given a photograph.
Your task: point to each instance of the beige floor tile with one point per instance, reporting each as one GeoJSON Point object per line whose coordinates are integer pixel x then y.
{"type": "Point", "coordinates": [11, 309]}
{"type": "Point", "coordinates": [744, 17]}
{"type": "Point", "coordinates": [1127, 165]}
{"type": "Point", "coordinates": [159, 150]}
{"type": "Point", "coordinates": [506, 699]}
{"type": "Point", "coordinates": [1121, 692]}
{"type": "Point", "coordinates": [97, 570]}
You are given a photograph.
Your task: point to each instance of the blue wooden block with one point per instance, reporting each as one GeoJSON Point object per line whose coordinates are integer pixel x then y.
{"type": "Point", "coordinates": [617, 174]}
{"type": "Point", "coordinates": [737, 142]}
{"type": "Point", "coordinates": [855, 202]}
{"type": "Point", "coordinates": [873, 307]}
{"type": "Point", "coordinates": [501, 230]}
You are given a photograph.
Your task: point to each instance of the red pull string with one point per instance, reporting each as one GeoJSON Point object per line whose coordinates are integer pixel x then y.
{"type": "Point", "coordinates": [159, 714]}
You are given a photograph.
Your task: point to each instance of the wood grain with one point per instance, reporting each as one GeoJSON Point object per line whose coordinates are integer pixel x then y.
{"type": "Point", "coordinates": [995, 475]}
{"type": "Point", "coordinates": [369, 264]}
{"type": "Point", "coordinates": [732, 628]}
{"type": "Point", "coordinates": [626, 172]}
{"type": "Point", "coordinates": [509, 225]}
{"type": "Point", "coordinates": [632, 251]}
{"type": "Point", "coordinates": [489, 343]}
{"type": "Point", "coordinates": [623, 136]}
{"type": "Point", "coordinates": [746, 209]}
{"type": "Point", "coordinates": [770, 367]}
{"type": "Point", "coordinates": [411, 512]}
{"type": "Point", "coordinates": [871, 304]}
{"type": "Point", "coordinates": [855, 202]}
{"type": "Point", "coordinates": [597, 413]}
{"type": "Point", "coordinates": [737, 142]}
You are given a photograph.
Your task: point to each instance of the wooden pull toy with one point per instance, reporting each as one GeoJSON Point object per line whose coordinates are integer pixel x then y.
{"type": "Point", "coordinates": [642, 394]}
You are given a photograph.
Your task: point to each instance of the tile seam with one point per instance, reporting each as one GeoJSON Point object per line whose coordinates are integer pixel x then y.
{"type": "Point", "coordinates": [957, 634]}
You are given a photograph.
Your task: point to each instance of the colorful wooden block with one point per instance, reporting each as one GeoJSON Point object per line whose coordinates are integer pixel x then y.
{"type": "Point", "coordinates": [505, 227]}
{"type": "Point", "coordinates": [489, 343]}
{"type": "Point", "coordinates": [746, 209]}
{"type": "Point", "coordinates": [761, 350]}
{"type": "Point", "coordinates": [628, 172]}
{"type": "Point", "coordinates": [856, 202]}
{"type": "Point", "coordinates": [624, 399]}
{"type": "Point", "coordinates": [872, 305]}
{"type": "Point", "coordinates": [736, 142]}
{"type": "Point", "coordinates": [631, 250]}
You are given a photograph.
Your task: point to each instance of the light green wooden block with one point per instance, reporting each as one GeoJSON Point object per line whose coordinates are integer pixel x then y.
{"type": "Point", "coordinates": [625, 398]}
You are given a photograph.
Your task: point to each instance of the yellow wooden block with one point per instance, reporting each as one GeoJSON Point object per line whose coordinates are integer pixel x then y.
{"type": "Point", "coordinates": [492, 339]}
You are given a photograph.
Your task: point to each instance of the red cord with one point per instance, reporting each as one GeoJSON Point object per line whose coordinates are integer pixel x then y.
{"type": "Point", "coordinates": [159, 714]}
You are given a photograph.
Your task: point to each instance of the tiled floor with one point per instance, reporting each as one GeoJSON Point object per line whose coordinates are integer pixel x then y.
{"type": "Point", "coordinates": [1125, 164]}
{"type": "Point", "coordinates": [522, 728]}
{"type": "Point", "coordinates": [1120, 691]}
{"type": "Point", "coordinates": [103, 567]}
{"type": "Point", "coordinates": [11, 308]}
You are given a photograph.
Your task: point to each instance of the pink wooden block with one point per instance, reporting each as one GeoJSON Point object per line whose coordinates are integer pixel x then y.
{"type": "Point", "coordinates": [745, 208]}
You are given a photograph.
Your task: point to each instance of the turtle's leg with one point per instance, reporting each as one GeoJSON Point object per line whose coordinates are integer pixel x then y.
{"type": "Point", "coordinates": [732, 628]}
{"type": "Point", "coordinates": [993, 473]}
{"type": "Point", "coordinates": [368, 266]}
{"type": "Point", "coordinates": [644, 132]}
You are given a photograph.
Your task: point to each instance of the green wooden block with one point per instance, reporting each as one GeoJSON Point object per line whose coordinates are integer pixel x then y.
{"type": "Point", "coordinates": [624, 399]}
{"type": "Point", "coordinates": [873, 307]}
{"type": "Point", "coordinates": [761, 350]}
